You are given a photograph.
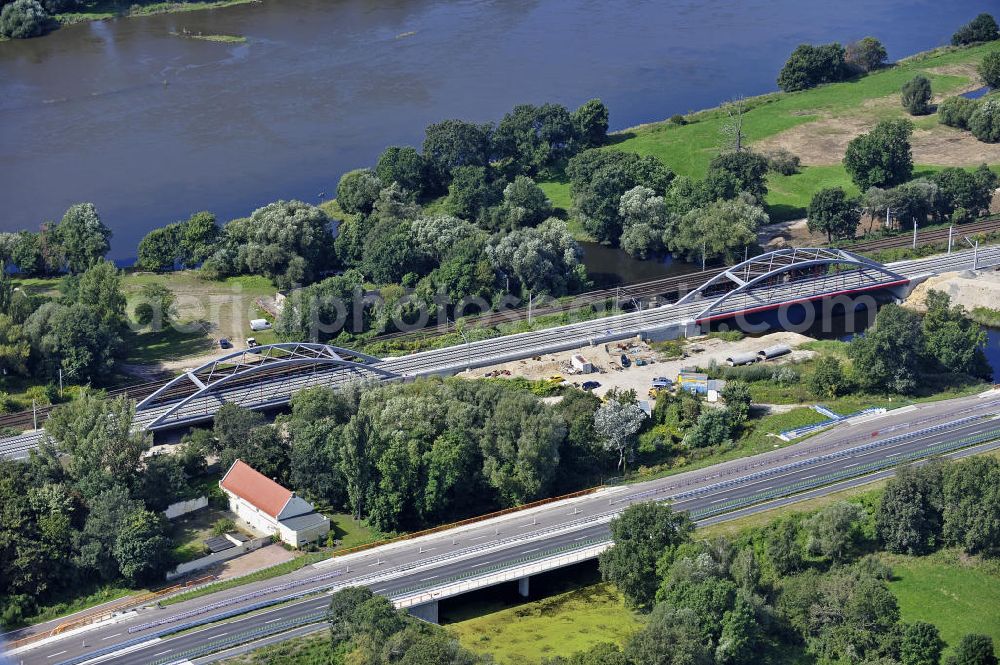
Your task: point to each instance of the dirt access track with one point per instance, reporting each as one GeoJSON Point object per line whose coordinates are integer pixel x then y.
{"type": "Point", "coordinates": [701, 351]}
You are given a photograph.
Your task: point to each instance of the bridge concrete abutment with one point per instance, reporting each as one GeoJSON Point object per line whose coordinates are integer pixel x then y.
{"type": "Point", "coordinates": [427, 612]}
{"type": "Point", "coordinates": [524, 587]}
{"type": "Point", "coordinates": [676, 331]}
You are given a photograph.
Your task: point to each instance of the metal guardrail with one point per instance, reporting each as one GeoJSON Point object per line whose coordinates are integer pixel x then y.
{"type": "Point", "coordinates": [854, 472]}
{"type": "Point", "coordinates": [801, 463]}
{"type": "Point", "coordinates": [232, 601]}
{"type": "Point", "coordinates": [759, 497]}
{"type": "Point", "coordinates": [241, 638]}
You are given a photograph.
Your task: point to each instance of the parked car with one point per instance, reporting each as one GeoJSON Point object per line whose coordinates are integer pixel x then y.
{"type": "Point", "coordinates": [662, 379]}
{"type": "Point", "coordinates": [590, 385]}
{"type": "Point", "coordinates": [225, 344]}
{"type": "Point", "coordinates": [625, 361]}
{"type": "Point", "coordinates": [251, 342]}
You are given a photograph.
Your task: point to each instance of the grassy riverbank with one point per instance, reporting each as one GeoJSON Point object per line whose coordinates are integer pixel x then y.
{"type": "Point", "coordinates": [816, 125]}
{"type": "Point", "coordinates": [99, 10]}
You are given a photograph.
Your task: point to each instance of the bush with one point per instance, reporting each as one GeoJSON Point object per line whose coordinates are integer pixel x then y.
{"type": "Point", "coordinates": [47, 394]}
{"type": "Point", "coordinates": [223, 525]}
{"type": "Point", "coordinates": [144, 314]}
{"type": "Point", "coordinates": [784, 162]}
{"type": "Point", "coordinates": [956, 111]}
{"type": "Point", "coordinates": [916, 95]}
{"type": "Point", "coordinates": [961, 216]}
{"type": "Point", "coordinates": [989, 69]}
{"type": "Point", "coordinates": [985, 121]}
{"type": "Point", "coordinates": [983, 28]}
{"type": "Point", "coordinates": [678, 119]}
{"type": "Point", "coordinates": [22, 19]}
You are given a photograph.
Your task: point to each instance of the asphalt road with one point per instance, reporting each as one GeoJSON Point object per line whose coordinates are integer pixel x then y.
{"type": "Point", "coordinates": [491, 351]}
{"type": "Point", "coordinates": [431, 560]}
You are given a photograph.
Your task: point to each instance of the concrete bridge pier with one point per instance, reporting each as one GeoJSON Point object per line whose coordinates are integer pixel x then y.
{"type": "Point", "coordinates": [427, 612]}
{"type": "Point", "coordinates": [524, 586]}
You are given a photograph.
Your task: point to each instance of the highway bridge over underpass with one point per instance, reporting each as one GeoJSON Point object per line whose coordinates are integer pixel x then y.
{"type": "Point", "coordinates": [419, 573]}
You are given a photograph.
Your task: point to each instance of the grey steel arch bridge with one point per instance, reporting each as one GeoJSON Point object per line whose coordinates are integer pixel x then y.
{"type": "Point", "coordinates": [230, 378]}
{"type": "Point", "coordinates": [268, 375]}
{"type": "Point", "coordinates": [786, 276]}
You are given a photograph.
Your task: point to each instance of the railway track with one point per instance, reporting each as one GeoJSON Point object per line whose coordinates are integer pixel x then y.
{"type": "Point", "coordinates": [674, 286]}
{"type": "Point", "coordinates": [668, 288]}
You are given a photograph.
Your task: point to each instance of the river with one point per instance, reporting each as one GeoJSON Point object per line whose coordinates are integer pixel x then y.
{"type": "Point", "coordinates": [152, 126]}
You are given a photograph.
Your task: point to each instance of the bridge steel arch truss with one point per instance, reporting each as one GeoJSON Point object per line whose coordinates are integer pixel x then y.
{"type": "Point", "coordinates": [782, 264]}
{"type": "Point", "coordinates": [213, 376]}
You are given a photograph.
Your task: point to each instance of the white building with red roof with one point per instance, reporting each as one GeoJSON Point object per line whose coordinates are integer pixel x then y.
{"type": "Point", "coordinates": [269, 508]}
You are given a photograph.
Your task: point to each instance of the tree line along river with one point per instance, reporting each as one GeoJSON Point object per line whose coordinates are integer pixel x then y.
{"type": "Point", "coordinates": [152, 125]}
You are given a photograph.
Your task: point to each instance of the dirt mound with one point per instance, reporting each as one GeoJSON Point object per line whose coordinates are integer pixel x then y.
{"type": "Point", "coordinates": [966, 288]}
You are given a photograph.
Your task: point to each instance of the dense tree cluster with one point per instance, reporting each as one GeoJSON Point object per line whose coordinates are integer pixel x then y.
{"type": "Point", "coordinates": [78, 332]}
{"type": "Point", "coordinates": [809, 66]}
{"type": "Point", "coordinates": [92, 517]}
{"type": "Point", "coordinates": [900, 346]}
{"type": "Point", "coordinates": [289, 241]}
{"type": "Point", "coordinates": [416, 455]}
{"type": "Point", "coordinates": [938, 505]}
{"type": "Point", "coordinates": [950, 194]}
{"type": "Point", "coordinates": [74, 244]}
{"type": "Point", "coordinates": [366, 628]}
{"type": "Point", "coordinates": [983, 28]}
{"type": "Point", "coordinates": [188, 243]}
{"type": "Point", "coordinates": [635, 202]}
{"type": "Point", "coordinates": [802, 581]}
{"type": "Point", "coordinates": [22, 19]}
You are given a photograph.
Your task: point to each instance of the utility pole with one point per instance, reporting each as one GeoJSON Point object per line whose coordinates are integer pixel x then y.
{"type": "Point", "coordinates": [529, 307]}
{"type": "Point", "coordinates": [704, 248]}
{"type": "Point", "coordinates": [914, 233]}
{"type": "Point", "coordinates": [887, 217]}
{"type": "Point", "coordinates": [60, 383]}
{"type": "Point", "coordinates": [34, 413]}
{"type": "Point", "coordinates": [951, 229]}
{"type": "Point", "coordinates": [975, 252]}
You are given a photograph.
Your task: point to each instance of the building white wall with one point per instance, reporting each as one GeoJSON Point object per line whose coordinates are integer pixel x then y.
{"type": "Point", "coordinates": [216, 557]}
{"type": "Point", "coordinates": [261, 522]}
{"type": "Point", "coordinates": [300, 538]}
{"type": "Point", "coordinates": [184, 507]}
{"type": "Point", "coordinates": [256, 519]}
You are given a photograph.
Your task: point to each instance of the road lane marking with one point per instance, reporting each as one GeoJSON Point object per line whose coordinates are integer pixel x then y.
{"type": "Point", "coordinates": [480, 537]}
{"type": "Point", "coordinates": [110, 636]}
{"type": "Point", "coordinates": [484, 563]}
{"type": "Point", "coordinates": [161, 653]}
{"type": "Point", "coordinates": [428, 578]}
{"type": "Point", "coordinates": [58, 654]}
{"type": "Point", "coordinates": [533, 549]}
{"type": "Point", "coordinates": [273, 620]}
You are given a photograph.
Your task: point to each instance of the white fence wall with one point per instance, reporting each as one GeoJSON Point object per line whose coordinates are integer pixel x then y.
{"type": "Point", "coordinates": [185, 507]}
{"type": "Point", "coordinates": [224, 555]}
